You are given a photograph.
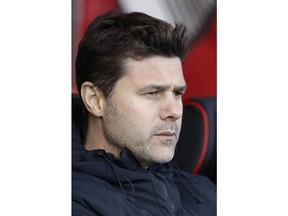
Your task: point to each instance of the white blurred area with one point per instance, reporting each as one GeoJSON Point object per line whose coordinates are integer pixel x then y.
{"type": "Point", "coordinates": [193, 13]}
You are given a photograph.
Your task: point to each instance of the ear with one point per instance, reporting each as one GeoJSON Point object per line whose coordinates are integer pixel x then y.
{"type": "Point", "coordinates": [93, 99]}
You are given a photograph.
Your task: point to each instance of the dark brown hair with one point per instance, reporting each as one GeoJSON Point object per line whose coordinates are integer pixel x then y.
{"type": "Point", "coordinates": [115, 36]}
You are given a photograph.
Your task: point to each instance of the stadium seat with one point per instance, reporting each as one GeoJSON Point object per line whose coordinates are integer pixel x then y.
{"type": "Point", "coordinates": [196, 148]}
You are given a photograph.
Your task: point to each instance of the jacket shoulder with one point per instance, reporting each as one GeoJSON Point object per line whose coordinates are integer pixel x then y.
{"type": "Point", "coordinates": [89, 194]}
{"type": "Point", "coordinates": [198, 193]}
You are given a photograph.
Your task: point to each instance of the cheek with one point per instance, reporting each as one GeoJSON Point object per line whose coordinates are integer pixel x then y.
{"type": "Point", "coordinates": [139, 109]}
{"type": "Point", "coordinates": [138, 112]}
{"type": "Point", "coordinates": [140, 117]}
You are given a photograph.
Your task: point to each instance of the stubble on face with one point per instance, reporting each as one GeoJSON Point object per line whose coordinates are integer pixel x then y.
{"type": "Point", "coordinates": [121, 132]}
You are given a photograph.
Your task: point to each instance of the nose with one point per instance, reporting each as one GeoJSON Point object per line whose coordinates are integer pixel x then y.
{"type": "Point", "coordinates": [171, 108]}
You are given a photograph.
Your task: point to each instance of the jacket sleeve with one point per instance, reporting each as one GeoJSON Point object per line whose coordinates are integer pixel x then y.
{"type": "Point", "coordinates": [80, 210]}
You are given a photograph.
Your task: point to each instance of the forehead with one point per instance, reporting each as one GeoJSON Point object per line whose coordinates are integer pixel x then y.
{"type": "Point", "coordinates": [154, 70]}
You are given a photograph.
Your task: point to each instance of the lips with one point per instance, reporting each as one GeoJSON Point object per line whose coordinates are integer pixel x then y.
{"type": "Point", "coordinates": [166, 133]}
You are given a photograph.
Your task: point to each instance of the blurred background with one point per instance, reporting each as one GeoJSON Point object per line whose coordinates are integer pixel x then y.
{"type": "Point", "coordinates": [198, 15]}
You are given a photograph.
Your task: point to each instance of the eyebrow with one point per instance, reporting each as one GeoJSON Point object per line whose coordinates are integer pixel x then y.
{"type": "Point", "coordinates": [181, 88]}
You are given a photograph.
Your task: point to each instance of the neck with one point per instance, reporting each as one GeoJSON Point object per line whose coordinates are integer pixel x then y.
{"type": "Point", "coordinates": [95, 138]}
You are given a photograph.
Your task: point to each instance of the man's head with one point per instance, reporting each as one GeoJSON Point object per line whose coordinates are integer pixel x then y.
{"type": "Point", "coordinates": [129, 74]}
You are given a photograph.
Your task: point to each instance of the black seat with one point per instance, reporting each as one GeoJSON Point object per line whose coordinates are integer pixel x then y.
{"type": "Point", "coordinates": [77, 121]}
{"type": "Point", "coordinates": [196, 148]}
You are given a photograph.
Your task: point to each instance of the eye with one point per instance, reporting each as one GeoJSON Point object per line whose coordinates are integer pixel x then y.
{"type": "Point", "coordinates": [152, 94]}
{"type": "Point", "coordinates": [178, 94]}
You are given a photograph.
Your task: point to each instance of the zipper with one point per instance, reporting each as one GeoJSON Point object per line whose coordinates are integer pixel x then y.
{"type": "Point", "coordinates": [168, 198]}
{"type": "Point", "coordinates": [164, 189]}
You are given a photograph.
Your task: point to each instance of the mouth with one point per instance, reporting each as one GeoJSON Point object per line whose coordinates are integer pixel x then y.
{"type": "Point", "coordinates": [166, 134]}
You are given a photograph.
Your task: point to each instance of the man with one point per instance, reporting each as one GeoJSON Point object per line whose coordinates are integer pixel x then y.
{"type": "Point", "coordinates": [129, 75]}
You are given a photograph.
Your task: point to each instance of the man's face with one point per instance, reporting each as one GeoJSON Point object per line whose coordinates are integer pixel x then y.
{"type": "Point", "coordinates": [144, 113]}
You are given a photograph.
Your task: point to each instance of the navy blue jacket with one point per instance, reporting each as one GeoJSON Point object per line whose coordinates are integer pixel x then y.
{"type": "Point", "coordinates": [108, 186]}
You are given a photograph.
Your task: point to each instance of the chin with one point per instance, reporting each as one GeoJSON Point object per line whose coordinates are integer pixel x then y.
{"type": "Point", "coordinates": [164, 157]}
{"type": "Point", "coordinates": [156, 154]}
